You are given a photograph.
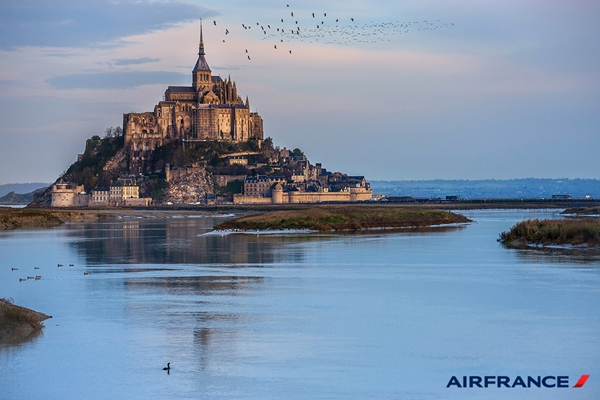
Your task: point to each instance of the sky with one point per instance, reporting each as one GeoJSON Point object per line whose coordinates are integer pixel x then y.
{"type": "Point", "coordinates": [407, 90]}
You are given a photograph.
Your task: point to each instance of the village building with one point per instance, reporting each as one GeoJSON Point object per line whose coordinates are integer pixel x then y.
{"type": "Point", "coordinates": [123, 193]}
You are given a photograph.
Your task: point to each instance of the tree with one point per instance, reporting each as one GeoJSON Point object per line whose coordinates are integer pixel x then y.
{"type": "Point", "coordinates": [297, 152]}
{"type": "Point", "coordinates": [111, 132]}
{"type": "Point", "coordinates": [268, 143]}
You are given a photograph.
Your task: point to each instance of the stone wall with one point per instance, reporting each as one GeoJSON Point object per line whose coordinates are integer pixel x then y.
{"type": "Point", "coordinates": [278, 197]}
{"type": "Point", "coordinates": [68, 195]}
{"type": "Point", "coordinates": [223, 180]}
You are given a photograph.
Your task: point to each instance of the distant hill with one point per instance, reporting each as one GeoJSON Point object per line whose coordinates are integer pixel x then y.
{"type": "Point", "coordinates": [527, 188]}
{"type": "Point", "coordinates": [21, 187]}
{"type": "Point", "coordinates": [13, 198]}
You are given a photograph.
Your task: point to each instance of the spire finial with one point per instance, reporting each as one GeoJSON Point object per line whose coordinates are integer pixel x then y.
{"type": "Point", "coordinates": [201, 47]}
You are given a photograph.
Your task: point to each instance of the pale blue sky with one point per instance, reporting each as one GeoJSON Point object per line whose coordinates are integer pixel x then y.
{"type": "Point", "coordinates": [506, 89]}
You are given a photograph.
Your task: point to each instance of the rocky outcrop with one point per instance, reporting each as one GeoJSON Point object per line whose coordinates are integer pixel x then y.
{"type": "Point", "coordinates": [19, 324]}
{"type": "Point", "coordinates": [117, 165]}
{"type": "Point", "coordinates": [189, 188]}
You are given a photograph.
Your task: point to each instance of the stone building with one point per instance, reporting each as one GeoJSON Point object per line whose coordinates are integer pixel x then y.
{"type": "Point", "coordinates": [69, 195]}
{"type": "Point", "coordinates": [274, 190]}
{"type": "Point", "coordinates": [209, 109]}
{"type": "Point", "coordinates": [124, 192]}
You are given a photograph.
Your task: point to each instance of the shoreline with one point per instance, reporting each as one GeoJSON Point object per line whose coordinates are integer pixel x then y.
{"type": "Point", "coordinates": [47, 217]}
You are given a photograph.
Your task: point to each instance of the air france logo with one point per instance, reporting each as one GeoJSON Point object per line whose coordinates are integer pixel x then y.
{"type": "Point", "coordinates": [549, 381]}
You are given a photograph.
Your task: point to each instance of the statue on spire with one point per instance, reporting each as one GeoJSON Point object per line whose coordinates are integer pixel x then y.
{"type": "Point", "coordinates": [201, 46]}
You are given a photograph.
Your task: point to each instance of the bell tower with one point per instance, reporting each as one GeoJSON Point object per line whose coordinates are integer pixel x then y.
{"type": "Point", "coordinates": [201, 75]}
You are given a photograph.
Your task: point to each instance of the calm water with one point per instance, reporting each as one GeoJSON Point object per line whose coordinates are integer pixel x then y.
{"type": "Point", "coordinates": [371, 316]}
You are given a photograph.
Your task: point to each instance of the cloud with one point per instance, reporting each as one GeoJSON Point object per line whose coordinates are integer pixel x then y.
{"type": "Point", "coordinates": [136, 61]}
{"type": "Point", "coordinates": [117, 80]}
{"type": "Point", "coordinates": [72, 23]}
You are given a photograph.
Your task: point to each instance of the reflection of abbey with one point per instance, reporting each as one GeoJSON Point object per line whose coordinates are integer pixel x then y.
{"type": "Point", "coordinates": [210, 109]}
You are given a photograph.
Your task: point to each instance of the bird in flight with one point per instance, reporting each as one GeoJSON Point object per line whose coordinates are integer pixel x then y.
{"type": "Point", "coordinates": [215, 22]}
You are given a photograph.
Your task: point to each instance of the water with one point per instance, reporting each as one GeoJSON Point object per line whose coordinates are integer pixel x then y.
{"type": "Point", "coordinates": [305, 316]}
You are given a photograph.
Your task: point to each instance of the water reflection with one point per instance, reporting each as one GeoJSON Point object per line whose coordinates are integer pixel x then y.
{"type": "Point", "coordinates": [558, 255]}
{"type": "Point", "coordinates": [182, 241]}
{"type": "Point", "coordinates": [193, 285]}
{"type": "Point", "coordinates": [12, 341]}
{"type": "Point", "coordinates": [170, 241]}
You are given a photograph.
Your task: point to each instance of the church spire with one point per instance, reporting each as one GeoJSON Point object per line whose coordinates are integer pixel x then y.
{"type": "Point", "coordinates": [201, 74]}
{"type": "Point", "coordinates": [201, 46]}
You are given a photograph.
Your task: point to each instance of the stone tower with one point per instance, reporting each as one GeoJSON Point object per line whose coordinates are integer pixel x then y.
{"type": "Point", "coordinates": [201, 74]}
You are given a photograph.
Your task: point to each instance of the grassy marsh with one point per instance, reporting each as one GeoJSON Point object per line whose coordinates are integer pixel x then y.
{"type": "Point", "coordinates": [575, 231]}
{"type": "Point", "coordinates": [344, 218]}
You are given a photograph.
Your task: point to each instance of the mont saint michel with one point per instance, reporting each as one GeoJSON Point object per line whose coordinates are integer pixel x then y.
{"type": "Point", "coordinates": [201, 144]}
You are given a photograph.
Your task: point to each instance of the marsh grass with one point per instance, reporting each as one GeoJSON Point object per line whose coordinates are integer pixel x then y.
{"type": "Point", "coordinates": [582, 211]}
{"type": "Point", "coordinates": [344, 218]}
{"type": "Point", "coordinates": [576, 231]}
{"type": "Point", "coordinates": [11, 218]}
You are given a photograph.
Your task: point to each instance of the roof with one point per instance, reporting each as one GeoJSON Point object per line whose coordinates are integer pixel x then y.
{"type": "Point", "coordinates": [181, 89]}
{"type": "Point", "coordinates": [201, 64]}
{"type": "Point", "coordinates": [216, 79]}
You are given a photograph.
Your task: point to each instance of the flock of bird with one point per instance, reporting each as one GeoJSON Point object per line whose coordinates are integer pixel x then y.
{"type": "Point", "coordinates": [321, 27]}
{"type": "Point", "coordinates": [39, 277]}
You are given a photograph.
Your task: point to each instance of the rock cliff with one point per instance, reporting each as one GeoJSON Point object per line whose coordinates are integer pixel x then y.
{"type": "Point", "coordinates": [191, 188]}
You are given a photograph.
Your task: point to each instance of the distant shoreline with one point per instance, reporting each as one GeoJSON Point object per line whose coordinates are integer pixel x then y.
{"type": "Point", "coordinates": [34, 217]}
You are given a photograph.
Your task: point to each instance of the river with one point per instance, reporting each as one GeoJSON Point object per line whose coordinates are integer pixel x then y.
{"type": "Point", "coordinates": [296, 316]}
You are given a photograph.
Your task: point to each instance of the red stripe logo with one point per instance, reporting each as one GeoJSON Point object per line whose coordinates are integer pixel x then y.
{"type": "Point", "coordinates": [581, 381]}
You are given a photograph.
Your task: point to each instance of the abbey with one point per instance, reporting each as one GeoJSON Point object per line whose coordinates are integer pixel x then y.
{"type": "Point", "coordinates": [210, 109]}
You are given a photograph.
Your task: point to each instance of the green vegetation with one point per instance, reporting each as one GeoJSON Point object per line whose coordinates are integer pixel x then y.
{"type": "Point", "coordinates": [344, 218]}
{"type": "Point", "coordinates": [89, 170]}
{"type": "Point", "coordinates": [192, 152]}
{"type": "Point", "coordinates": [154, 187]}
{"type": "Point", "coordinates": [18, 324]}
{"type": "Point", "coordinates": [298, 153]}
{"type": "Point", "coordinates": [575, 231]}
{"type": "Point", "coordinates": [268, 143]}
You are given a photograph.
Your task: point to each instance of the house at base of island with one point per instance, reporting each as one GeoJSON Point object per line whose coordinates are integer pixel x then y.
{"type": "Point", "coordinates": [123, 193]}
